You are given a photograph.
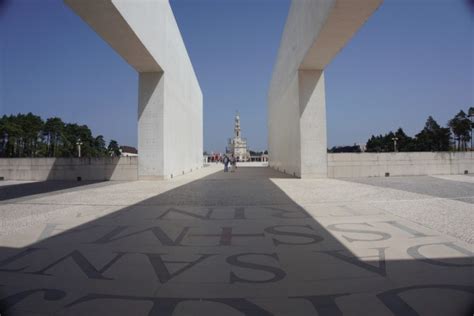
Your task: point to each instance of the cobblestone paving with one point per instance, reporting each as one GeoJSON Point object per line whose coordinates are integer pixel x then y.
{"type": "Point", "coordinates": [448, 187]}
{"type": "Point", "coordinates": [253, 242]}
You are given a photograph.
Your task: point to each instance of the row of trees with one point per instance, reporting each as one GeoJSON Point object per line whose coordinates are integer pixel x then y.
{"type": "Point", "coordinates": [28, 135]}
{"type": "Point", "coordinates": [433, 137]}
{"type": "Point", "coordinates": [345, 149]}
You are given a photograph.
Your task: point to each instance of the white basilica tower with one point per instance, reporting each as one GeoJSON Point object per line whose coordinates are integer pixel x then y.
{"type": "Point", "coordinates": [238, 145]}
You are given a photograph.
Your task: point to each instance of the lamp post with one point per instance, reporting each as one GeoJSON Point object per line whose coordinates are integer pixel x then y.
{"type": "Point", "coordinates": [4, 142]}
{"type": "Point", "coordinates": [79, 143]}
{"type": "Point", "coordinates": [395, 143]}
{"type": "Point", "coordinates": [470, 114]}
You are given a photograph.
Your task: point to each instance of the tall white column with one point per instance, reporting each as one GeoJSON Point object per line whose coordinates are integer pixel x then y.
{"type": "Point", "coordinates": [150, 125]}
{"type": "Point", "coordinates": [145, 34]}
{"type": "Point", "coordinates": [315, 32]}
{"type": "Point", "coordinates": [313, 134]}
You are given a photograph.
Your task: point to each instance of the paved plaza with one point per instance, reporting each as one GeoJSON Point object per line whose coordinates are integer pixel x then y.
{"type": "Point", "coordinates": [253, 242]}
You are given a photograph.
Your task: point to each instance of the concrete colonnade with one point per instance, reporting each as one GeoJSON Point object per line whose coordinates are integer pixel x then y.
{"type": "Point", "coordinates": [170, 120]}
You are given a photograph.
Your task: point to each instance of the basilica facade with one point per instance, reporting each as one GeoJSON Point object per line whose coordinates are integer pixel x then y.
{"type": "Point", "coordinates": [237, 146]}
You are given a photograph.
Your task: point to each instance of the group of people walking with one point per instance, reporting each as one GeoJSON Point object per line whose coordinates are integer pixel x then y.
{"type": "Point", "coordinates": [230, 163]}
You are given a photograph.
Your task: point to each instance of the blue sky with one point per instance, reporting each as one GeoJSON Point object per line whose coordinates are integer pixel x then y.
{"type": "Point", "coordinates": [412, 59]}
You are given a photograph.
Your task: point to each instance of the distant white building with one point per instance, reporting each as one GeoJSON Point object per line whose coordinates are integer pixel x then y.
{"type": "Point", "coordinates": [363, 147]}
{"type": "Point", "coordinates": [128, 151]}
{"type": "Point", "coordinates": [237, 145]}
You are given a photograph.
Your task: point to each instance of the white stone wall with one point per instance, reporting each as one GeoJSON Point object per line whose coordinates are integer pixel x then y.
{"type": "Point", "coordinates": [350, 165]}
{"type": "Point", "coordinates": [42, 169]}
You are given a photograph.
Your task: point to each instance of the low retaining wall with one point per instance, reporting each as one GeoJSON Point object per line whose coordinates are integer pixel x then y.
{"type": "Point", "coordinates": [252, 164]}
{"type": "Point", "coordinates": [345, 165]}
{"type": "Point", "coordinates": [41, 169]}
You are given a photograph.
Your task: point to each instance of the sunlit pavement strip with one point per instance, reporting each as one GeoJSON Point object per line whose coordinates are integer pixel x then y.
{"type": "Point", "coordinates": [253, 242]}
{"type": "Point", "coordinates": [460, 178]}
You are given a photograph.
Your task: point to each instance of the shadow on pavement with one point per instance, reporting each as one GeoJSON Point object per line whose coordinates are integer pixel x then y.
{"type": "Point", "coordinates": [28, 189]}
{"type": "Point", "coordinates": [236, 244]}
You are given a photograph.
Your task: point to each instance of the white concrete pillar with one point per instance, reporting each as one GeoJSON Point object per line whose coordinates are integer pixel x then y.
{"type": "Point", "coordinates": [146, 35]}
{"type": "Point", "coordinates": [313, 139]}
{"type": "Point", "coordinates": [314, 33]}
{"type": "Point", "coordinates": [150, 125]}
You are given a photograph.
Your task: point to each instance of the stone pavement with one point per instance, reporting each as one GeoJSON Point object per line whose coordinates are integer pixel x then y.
{"type": "Point", "coordinates": [254, 242]}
